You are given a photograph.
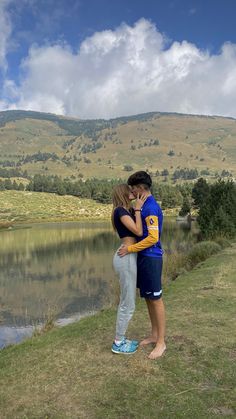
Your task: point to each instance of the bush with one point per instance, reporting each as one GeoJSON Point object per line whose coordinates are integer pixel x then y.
{"type": "Point", "coordinates": [128, 168]}
{"type": "Point", "coordinates": [223, 242]}
{"type": "Point", "coordinates": [174, 265]}
{"type": "Point", "coordinates": [201, 251]}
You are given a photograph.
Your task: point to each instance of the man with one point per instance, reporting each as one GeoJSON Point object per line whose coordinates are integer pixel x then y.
{"type": "Point", "coordinates": [149, 261]}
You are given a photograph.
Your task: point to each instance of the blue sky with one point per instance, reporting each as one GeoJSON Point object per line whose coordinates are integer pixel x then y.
{"type": "Point", "coordinates": [104, 58]}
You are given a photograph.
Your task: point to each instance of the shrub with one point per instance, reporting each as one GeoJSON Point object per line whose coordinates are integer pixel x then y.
{"type": "Point", "coordinates": [223, 242]}
{"type": "Point", "coordinates": [201, 251]}
{"type": "Point", "coordinates": [174, 265]}
{"type": "Point", "coordinates": [128, 168]}
{"type": "Point", "coordinates": [5, 224]}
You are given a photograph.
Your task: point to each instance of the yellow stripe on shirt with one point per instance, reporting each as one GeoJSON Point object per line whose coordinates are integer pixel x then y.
{"type": "Point", "coordinates": [152, 237]}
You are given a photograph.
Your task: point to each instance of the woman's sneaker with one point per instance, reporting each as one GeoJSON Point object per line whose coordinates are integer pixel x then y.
{"type": "Point", "coordinates": [126, 347]}
{"type": "Point", "coordinates": [134, 342]}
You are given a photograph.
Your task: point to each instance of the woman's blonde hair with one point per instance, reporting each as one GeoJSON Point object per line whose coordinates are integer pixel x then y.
{"type": "Point", "coordinates": [120, 198]}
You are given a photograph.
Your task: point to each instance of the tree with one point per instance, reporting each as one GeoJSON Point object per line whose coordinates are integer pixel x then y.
{"type": "Point", "coordinates": [171, 197]}
{"type": "Point", "coordinates": [217, 214]}
{"type": "Point", "coordinates": [186, 207]}
{"type": "Point", "coordinates": [165, 172]}
{"type": "Point", "coordinates": [200, 193]}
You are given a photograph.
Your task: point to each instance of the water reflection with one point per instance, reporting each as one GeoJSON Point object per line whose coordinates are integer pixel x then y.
{"type": "Point", "coordinates": [59, 269]}
{"type": "Point", "coordinates": [178, 236]}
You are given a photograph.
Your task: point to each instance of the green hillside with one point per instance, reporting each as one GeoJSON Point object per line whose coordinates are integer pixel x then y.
{"type": "Point", "coordinates": [22, 206]}
{"type": "Point", "coordinates": [49, 144]}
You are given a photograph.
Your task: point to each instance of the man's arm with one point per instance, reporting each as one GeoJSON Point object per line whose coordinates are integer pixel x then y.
{"type": "Point", "coordinates": [152, 238]}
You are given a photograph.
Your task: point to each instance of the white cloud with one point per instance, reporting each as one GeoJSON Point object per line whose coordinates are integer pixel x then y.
{"type": "Point", "coordinates": [5, 31]}
{"type": "Point", "coordinates": [129, 70]}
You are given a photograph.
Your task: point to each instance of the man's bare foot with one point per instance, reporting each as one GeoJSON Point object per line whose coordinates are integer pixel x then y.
{"type": "Point", "coordinates": [148, 340]}
{"type": "Point", "coordinates": [158, 351]}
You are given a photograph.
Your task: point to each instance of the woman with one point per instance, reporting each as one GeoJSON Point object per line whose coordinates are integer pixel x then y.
{"type": "Point", "coordinates": [127, 223]}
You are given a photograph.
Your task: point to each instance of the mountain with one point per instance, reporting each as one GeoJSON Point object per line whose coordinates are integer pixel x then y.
{"type": "Point", "coordinates": [50, 144]}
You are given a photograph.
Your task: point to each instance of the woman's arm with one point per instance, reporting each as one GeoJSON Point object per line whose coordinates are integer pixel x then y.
{"type": "Point", "coordinates": [135, 226]}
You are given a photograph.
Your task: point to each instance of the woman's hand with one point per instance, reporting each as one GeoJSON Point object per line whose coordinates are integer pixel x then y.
{"type": "Point", "coordinates": [140, 201]}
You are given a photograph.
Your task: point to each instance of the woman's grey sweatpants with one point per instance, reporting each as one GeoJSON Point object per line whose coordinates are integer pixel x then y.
{"type": "Point", "coordinates": [126, 268]}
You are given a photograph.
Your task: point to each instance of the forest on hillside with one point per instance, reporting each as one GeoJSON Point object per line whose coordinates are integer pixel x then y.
{"type": "Point", "coordinates": [169, 143]}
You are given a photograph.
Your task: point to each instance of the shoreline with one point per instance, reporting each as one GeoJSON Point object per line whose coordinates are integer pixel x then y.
{"type": "Point", "coordinates": [64, 220]}
{"type": "Point", "coordinates": [25, 207]}
{"type": "Point", "coordinates": [19, 334]}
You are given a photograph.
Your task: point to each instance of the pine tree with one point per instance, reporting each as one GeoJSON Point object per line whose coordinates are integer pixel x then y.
{"type": "Point", "coordinates": [186, 207]}
{"type": "Point", "coordinates": [200, 193]}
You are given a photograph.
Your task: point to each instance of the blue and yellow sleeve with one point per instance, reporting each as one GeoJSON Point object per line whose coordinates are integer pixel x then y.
{"type": "Point", "coordinates": [152, 237]}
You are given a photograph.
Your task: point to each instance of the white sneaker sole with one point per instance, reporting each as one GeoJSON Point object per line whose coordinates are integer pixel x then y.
{"type": "Point", "coordinates": [123, 353]}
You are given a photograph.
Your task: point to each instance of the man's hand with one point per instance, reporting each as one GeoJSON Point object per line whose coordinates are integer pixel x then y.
{"type": "Point", "coordinates": [123, 250]}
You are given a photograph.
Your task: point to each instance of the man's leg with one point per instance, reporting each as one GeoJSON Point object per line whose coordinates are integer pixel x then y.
{"type": "Point", "coordinates": [157, 310]}
{"type": "Point", "coordinates": [154, 332]}
{"type": "Point", "coordinates": [149, 275]}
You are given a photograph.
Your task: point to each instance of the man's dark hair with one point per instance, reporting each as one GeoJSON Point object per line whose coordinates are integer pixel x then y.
{"type": "Point", "coordinates": [140, 178]}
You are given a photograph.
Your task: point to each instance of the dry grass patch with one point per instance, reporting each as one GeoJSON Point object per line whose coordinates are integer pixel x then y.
{"type": "Point", "coordinates": [22, 206]}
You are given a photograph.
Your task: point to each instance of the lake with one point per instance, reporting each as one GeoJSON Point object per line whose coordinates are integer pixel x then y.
{"type": "Point", "coordinates": [61, 271]}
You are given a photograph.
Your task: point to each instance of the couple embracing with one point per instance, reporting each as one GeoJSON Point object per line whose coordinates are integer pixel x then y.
{"type": "Point", "coordinates": [138, 261]}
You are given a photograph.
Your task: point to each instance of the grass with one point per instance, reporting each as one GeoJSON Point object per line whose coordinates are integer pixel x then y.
{"type": "Point", "coordinates": [23, 206]}
{"type": "Point", "coordinates": [71, 372]}
{"type": "Point", "coordinates": [28, 207]}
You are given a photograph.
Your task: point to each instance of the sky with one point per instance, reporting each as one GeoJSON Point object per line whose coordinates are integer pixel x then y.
{"type": "Point", "coordinates": [111, 58]}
